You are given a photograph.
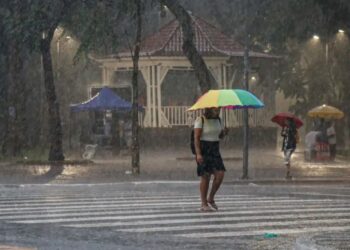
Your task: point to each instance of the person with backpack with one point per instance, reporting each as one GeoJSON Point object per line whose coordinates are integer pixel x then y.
{"type": "Point", "coordinates": [208, 131]}
{"type": "Point", "coordinates": [290, 138]}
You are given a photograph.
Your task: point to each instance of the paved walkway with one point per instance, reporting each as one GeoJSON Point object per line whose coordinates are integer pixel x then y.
{"type": "Point", "coordinates": [265, 165]}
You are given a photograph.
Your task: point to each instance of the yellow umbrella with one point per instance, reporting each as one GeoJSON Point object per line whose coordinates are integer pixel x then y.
{"type": "Point", "coordinates": [326, 112]}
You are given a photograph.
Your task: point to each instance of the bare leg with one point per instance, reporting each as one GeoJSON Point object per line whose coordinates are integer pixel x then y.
{"type": "Point", "coordinates": [288, 175]}
{"type": "Point", "coordinates": [287, 155]}
{"type": "Point", "coordinates": [203, 187]}
{"type": "Point", "coordinates": [218, 178]}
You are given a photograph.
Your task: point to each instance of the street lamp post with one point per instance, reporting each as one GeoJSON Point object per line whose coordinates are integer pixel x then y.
{"type": "Point", "coordinates": [246, 87]}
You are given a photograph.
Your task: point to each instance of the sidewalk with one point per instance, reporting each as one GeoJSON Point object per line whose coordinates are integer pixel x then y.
{"type": "Point", "coordinates": [265, 166]}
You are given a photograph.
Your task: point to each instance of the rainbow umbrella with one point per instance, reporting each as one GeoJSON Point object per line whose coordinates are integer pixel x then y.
{"type": "Point", "coordinates": [227, 98]}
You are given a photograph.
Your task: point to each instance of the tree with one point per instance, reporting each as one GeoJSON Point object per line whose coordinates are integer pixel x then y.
{"type": "Point", "coordinates": [49, 20]}
{"type": "Point", "coordinates": [188, 46]}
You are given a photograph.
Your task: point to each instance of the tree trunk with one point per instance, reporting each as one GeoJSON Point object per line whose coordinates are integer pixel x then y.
{"type": "Point", "coordinates": [135, 147]}
{"type": "Point", "coordinates": [188, 47]}
{"type": "Point", "coordinates": [55, 127]}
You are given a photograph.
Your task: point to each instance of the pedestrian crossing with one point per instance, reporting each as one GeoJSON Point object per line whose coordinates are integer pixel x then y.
{"type": "Point", "coordinates": [179, 215]}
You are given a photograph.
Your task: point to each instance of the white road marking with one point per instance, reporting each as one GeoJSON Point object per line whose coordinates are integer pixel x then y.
{"type": "Point", "coordinates": [236, 225]}
{"type": "Point", "coordinates": [122, 201]}
{"type": "Point", "coordinates": [172, 215]}
{"type": "Point", "coordinates": [80, 213]}
{"type": "Point", "coordinates": [162, 209]}
{"type": "Point", "coordinates": [262, 232]}
{"type": "Point", "coordinates": [215, 219]}
{"type": "Point", "coordinates": [137, 205]}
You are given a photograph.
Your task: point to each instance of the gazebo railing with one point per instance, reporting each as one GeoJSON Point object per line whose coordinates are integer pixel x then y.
{"type": "Point", "coordinates": [178, 116]}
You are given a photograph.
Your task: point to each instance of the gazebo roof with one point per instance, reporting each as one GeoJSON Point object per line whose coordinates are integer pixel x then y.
{"type": "Point", "coordinates": [208, 39]}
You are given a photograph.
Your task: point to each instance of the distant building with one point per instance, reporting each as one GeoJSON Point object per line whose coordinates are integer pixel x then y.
{"type": "Point", "coordinates": [168, 86]}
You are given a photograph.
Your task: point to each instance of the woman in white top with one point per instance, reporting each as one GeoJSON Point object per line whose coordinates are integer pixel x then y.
{"type": "Point", "coordinates": [207, 133]}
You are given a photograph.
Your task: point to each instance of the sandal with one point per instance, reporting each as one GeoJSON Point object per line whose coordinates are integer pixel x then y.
{"type": "Point", "coordinates": [213, 205]}
{"type": "Point", "coordinates": [206, 209]}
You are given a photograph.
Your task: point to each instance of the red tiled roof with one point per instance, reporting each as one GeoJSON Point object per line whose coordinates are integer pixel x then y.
{"type": "Point", "coordinates": [208, 39]}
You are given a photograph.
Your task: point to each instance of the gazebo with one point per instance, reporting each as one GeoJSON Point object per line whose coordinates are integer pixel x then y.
{"type": "Point", "coordinates": [161, 53]}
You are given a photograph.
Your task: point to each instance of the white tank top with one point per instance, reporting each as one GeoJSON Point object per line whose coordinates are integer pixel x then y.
{"type": "Point", "coordinates": [211, 129]}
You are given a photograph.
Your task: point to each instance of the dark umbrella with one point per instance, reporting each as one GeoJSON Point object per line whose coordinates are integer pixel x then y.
{"type": "Point", "coordinates": [281, 118]}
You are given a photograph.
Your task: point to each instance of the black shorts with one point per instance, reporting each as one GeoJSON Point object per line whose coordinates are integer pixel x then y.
{"type": "Point", "coordinates": [211, 159]}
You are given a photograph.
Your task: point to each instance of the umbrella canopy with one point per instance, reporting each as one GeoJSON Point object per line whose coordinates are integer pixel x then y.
{"type": "Point", "coordinates": [281, 118]}
{"type": "Point", "coordinates": [326, 112]}
{"type": "Point", "coordinates": [106, 99]}
{"type": "Point", "coordinates": [227, 98]}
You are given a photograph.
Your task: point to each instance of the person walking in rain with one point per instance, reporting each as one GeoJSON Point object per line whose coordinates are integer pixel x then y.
{"type": "Point", "coordinates": [208, 131]}
{"type": "Point", "coordinates": [289, 134]}
{"type": "Point", "coordinates": [332, 140]}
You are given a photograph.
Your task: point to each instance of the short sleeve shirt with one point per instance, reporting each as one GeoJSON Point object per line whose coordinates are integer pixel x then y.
{"type": "Point", "coordinates": [211, 129]}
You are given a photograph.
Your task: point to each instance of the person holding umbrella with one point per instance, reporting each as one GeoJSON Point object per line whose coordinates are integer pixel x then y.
{"type": "Point", "coordinates": [208, 130]}
{"type": "Point", "coordinates": [289, 134]}
{"type": "Point", "coordinates": [207, 133]}
{"type": "Point", "coordinates": [327, 112]}
{"type": "Point", "coordinates": [289, 123]}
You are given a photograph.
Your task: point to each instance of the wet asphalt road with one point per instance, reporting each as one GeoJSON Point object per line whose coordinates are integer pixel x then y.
{"type": "Point", "coordinates": [174, 165]}
{"type": "Point", "coordinates": [164, 215]}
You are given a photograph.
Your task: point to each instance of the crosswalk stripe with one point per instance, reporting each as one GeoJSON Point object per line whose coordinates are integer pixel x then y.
{"type": "Point", "coordinates": [321, 194]}
{"type": "Point", "coordinates": [172, 215]}
{"type": "Point", "coordinates": [126, 198]}
{"type": "Point", "coordinates": [215, 219]}
{"type": "Point", "coordinates": [163, 209]}
{"type": "Point", "coordinates": [53, 214]}
{"type": "Point", "coordinates": [175, 203]}
{"type": "Point", "coordinates": [179, 215]}
{"type": "Point", "coordinates": [236, 225]}
{"type": "Point", "coordinates": [19, 210]}
{"type": "Point", "coordinates": [262, 232]}
{"type": "Point", "coordinates": [121, 201]}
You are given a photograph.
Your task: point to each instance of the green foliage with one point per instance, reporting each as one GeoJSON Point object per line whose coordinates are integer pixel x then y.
{"type": "Point", "coordinates": [103, 27]}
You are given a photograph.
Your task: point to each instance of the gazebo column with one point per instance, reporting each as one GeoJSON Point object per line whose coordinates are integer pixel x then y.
{"type": "Point", "coordinates": [223, 74]}
{"type": "Point", "coordinates": [161, 73]}
{"type": "Point", "coordinates": [107, 74]}
{"type": "Point", "coordinates": [153, 96]}
{"type": "Point", "coordinates": [154, 76]}
{"type": "Point", "coordinates": [146, 73]}
{"type": "Point", "coordinates": [219, 72]}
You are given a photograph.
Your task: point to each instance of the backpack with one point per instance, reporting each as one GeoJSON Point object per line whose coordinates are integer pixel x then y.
{"type": "Point", "coordinates": [193, 148]}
